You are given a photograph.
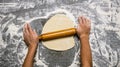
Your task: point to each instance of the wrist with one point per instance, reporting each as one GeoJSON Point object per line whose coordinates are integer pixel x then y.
{"type": "Point", "coordinates": [84, 36]}
{"type": "Point", "coordinates": [32, 46]}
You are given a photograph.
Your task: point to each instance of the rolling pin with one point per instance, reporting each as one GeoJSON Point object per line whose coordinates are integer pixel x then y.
{"type": "Point", "coordinates": [57, 34]}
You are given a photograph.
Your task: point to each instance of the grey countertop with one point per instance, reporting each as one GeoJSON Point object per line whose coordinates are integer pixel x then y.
{"type": "Point", "coordinates": [104, 36]}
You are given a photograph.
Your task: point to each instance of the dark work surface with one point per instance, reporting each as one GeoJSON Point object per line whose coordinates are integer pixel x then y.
{"type": "Point", "coordinates": [104, 36]}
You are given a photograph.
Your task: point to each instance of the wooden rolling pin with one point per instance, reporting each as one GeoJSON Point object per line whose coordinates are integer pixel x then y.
{"type": "Point", "coordinates": [57, 34]}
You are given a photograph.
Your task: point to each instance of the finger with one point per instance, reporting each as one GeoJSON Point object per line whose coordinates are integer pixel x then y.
{"type": "Point", "coordinates": [79, 19]}
{"type": "Point", "coordinates": [24, 36]}
{"type": "Point", "coordinates": [34, 31]}
{"type": "Point", "coordinates": [26, 29]}
{"type": "Point", "coordinates": [88, 22]}
{"type": "Point", "coordinates": [23, 33]}
{"type": "Point", "coordinates": [83, 18]}
{"type": "Point", "coordinates": [30, 29]}
{"type": "Point", "coordinates": [36, 34]}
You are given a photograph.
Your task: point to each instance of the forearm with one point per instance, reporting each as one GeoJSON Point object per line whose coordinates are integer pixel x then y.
{"type": "Point", "coordinates": [28, 62]}
{"type": "Point", "coordinates": [86, 56]}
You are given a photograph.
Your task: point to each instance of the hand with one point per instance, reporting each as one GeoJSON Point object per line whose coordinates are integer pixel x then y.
{"type": "Point", "coordinates": [30, 36]}
{"type": "Point", "coordinates": [83, 27]}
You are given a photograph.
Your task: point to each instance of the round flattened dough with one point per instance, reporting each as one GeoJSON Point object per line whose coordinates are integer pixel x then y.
{"type": "Point", "coordinates": [55, 23]}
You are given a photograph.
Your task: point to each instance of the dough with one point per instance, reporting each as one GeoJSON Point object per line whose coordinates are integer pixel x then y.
{"type": "Point", "coordinates": [55, 23]}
